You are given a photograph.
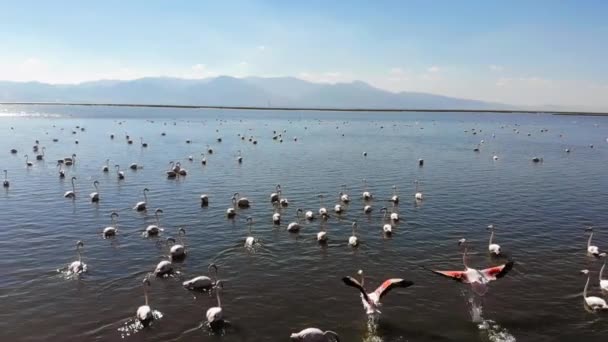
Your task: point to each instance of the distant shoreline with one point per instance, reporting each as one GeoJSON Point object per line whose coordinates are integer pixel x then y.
{"type": "Point", "coordinates": [319, 109]}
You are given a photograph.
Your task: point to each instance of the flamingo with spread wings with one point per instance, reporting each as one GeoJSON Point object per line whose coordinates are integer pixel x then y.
{"type": "Point", "coordinates": [478, 279]}
{"type": "Point", "coordinates": [371, 301]}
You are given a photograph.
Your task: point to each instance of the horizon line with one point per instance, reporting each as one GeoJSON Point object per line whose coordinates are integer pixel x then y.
{"type": "Point", "coordinates": [319, 109]}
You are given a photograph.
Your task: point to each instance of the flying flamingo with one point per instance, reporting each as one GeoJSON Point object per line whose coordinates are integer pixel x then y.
{"type": "Point", "coordinates": [371, 301]}
{"type": "Point", "coordinates": [478, 279]}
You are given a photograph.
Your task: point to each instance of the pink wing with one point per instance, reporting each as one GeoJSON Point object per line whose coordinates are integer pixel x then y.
{"type": "Point", "coordinates": [390, 284]}
{"type": "Point", "coordinates": [497, 272]}
{"type": "Point", "coordinates": [456, 275]}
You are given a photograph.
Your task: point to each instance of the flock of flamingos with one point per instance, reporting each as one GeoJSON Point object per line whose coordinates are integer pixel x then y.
{"type": "Point", "coordinates": [478, 279]}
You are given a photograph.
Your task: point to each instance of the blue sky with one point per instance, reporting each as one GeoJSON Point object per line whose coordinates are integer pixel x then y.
{"type": "Point", "coordinates": [520, 52]}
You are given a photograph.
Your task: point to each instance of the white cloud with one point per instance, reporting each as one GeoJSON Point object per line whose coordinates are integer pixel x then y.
{"type": "Point", "coordinates": [433, 69]}
{"type": "Point", "coordinates": [261, 47]}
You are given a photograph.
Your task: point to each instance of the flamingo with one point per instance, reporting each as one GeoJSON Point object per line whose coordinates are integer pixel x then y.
{"type": "Point", "coordinates": [353, 241]}
{"type": "Point", "coordinates": [239, 157]}
{"type": "Point", "coordinates": [371, 301]}
{"type": "Point", "coordinates": [493, 247]}
{"type": "Point", "coordinates": [6, 183]}
{"type": "Point", "coordinates": [181, 171]}
{"type": "Point", "coordinates": [250, 240]}
{"type": "Point", "coordinates": [276, 218]}
{"type": "Point", "coordinates": [367, 209]}
{"type": "Point", "coordinates": [314, 335]}
{"type": "Point", "coordinates": [294, 227]}
{"type": "Point", "coordinates": [204, 160]}
{"type": "Point", "coordinates": [177, 250]}
{"type": "Point", "coordinates": [231, 212]}
{"type": "Point", "coordinates": [394, 215]}
{"type": "Point", "coordinates": [592, 250]}
{"type": "Point", "coordinates": [171, 173]}
{"type": "Point", "coordinates": [165, 267]}
{"type": "Point", "coordinates": [71, 194]}
{"type": "Point", "coordinates": [395, 197]}
{"type": "Point", "coordinates": [153, 230]}
{"type": "Point", "coordinates": [309, 215]}
{"type": "Point", "coordinates": [603, 282]}
{"type": "Point", "coordinates": [209, 150]}
{"type": "Point", "coordinates": [78, 266]}
{"type": "Point", "coordinates": [202, 282]}
{"type": "Point", "coordinates": [28, 163]}
{"type": "Point", "coordinates": [343, 195]}
{"type": "Point", "coordinates": [144, 313]}
{"type": "Point", "coordinates": [478, 279]}
{"type": "Point", "coordinates": [41, 156]}
{"type": "Point", "coordinates": [366, 194]}
{"type": "Point", "coordinates": [593, 302]}
{"type": "Point", "coordinates": [204, 200]}
{"type": "Point", "coordinates": [338, 209]}
{"type": "Point", "coordinates": [70, 160]}
{"type": "Point", "coordinates": [241, 202]}
{"type": "Point", "coordinates": [276, 196]}
{"type": "Point", "coordinates": [322, 234]}
{"type": "Point", "coordinates": [106, 168]}
{"type": "Point", "coordinates": [133, 166]}
{"type": "Point", "coordinates": [95, 195]}
{"type": "Point", "coordinates": [61, 171]}
{"type": "Point", "coordinates": [387, 228]}
{"type": "Point", "coordinates": [215, 315]}
{"type": "Point", "coordinates": [113, 228]}
{"type": "Point", "coordinates": [418, 195]}
{"type": "Point", "coordinates": [141, 206]}
{"type": "Point", "coordinates": [322, 210]}
{"type": "Point", "coordinates": [143, 144]}
{"type": "Point", "coordinates": [120, 174]}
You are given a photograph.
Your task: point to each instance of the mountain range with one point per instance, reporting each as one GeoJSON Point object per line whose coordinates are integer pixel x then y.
{"type": "Point", "coordinates": [231, 91]}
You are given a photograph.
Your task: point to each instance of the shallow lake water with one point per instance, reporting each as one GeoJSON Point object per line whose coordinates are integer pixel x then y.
{"type": "Point", "coordinates": [288, 282]}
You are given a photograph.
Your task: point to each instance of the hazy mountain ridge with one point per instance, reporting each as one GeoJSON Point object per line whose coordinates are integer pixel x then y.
{"type": "Point", "coordinates": [230, 91]}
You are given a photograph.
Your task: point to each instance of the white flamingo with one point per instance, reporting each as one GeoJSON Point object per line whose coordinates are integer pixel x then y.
{"type": "Point", "coordinates": [72, 193]}
{"type": "Point", "coordinates": [367, 209]}
{"type": "Point", "coordinates": [231, 212]}
{"type": "Point", "coordinates": [395, 197]}
{"type": "Point", "coordinates": [181, 171]}
{"type": "Point", "coordinates": [28, 163]}
{"type": "Point", "coordinates": [153, 230]}
{"type": "Point", "coordinates": [276, 218]}
{"type": "Point", "coordinates": [322, 234]}
{"type": "Point", "coordinates": [366, 194]}
{"type": "Point", "coordinates": [343, 195]}
{"type": "Point", "coordinates": [178, 250]}
{"type": "Point", "coordinates": [78, 266]}
{"type": "Point", "coordinates": [338, 209]}
{"type": "Point", "coordinates": [6, 183]}
{"type": "Point", "coordinates": [95, 195]}
{"type": "Point", "coordinates": [70, 160]}
{"type": "Point", "coordinates": [141, 206]}
{"type": "Point", "coordinates": [204, 160]}
{"type": "Point", "coordinates": [171, 173]}
{"type": "Point", "coordinates": [603, 282]}
{"type": "Point", "coordinates": [353, 241]}
{"type": "Point", "coordinates": [106, 168]}
{"type": "Point", "coordinates": [322, 209]}
{"type": "Point", "coordinates": [144, 313]}
{"type": "Point", "coordinates": [249, 240]}
{"type": "Point", "coordinates": [41, 156]}
{"type": "Point", "coordinates": [493, 247]}
{"type": "Point", "coordinates": [294, 227]}
{"type": "Point", "coordinates": [143, 144]}
{"type": "Point", "coordinates": [314, 335]}
{"type": "Point", "coordinates": [202, 282]}
{"type": "Point", "coordinates": [387, 228]}
{"type": "Point", "coordinates": [241, 202]}
{"type": "Point", "coordinates": [215, 315]}
{"type": "Point", "coordinates": [133, 166]}
{"type": "Point", "coordinates": [394, 215]}
{"type": "Point", "coordinates": [204, 200]}
{"type": "Point", "coordinates": [276, 196]}
{"type": "Point", "coordinates": [418, 195]}
{"type": "Point", "coordinates": [371, 301]}
{"type": "Point", "coordinates": [239, 157]}
{"type": "Point", "coordinates": [592, 302]}
{"type": "Point", "coordinates": [591, 249]}
{"type": "Point", "coordinates": [309, 215]}
{"type": "Point", "coordinates": [61, 171]}
{"type": "Point", "coordinates": [165, 267]}
{"type": "Point", "coordinates": [113, 228]}
{"type": "Point", "coordinates": [120, 174]}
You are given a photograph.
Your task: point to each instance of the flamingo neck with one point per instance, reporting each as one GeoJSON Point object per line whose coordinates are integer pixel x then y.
{"type": "Point", "coordinates": [589, 241]}
{"type": "Point", "coordinates": [145, 295]}
{"type": "Point", "coordinates": [332, 334]}
{"type": "Point", "coordinates": [491, 237]}
{"type": "Point", "coordinates": [602, 269]}
{"type": "Point", "coordinates": [217, 295]}
{"type": "Point", "coordinates": [586, 285]}
{"type": "Point", "coordinates": [464, 258]}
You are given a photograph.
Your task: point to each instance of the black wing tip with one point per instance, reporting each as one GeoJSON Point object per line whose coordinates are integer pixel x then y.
{"type": "Point", "coordinates": [508, 267]}
{"type": "Point", "coordinates": [406, 283]}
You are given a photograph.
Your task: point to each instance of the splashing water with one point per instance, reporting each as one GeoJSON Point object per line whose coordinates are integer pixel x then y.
{"type": "Point", "coordinates": [495, 332]}
{"type": "Point", "coordinates": [372, 329]}
{"type": "Point", "coordinates": [133, 325]}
